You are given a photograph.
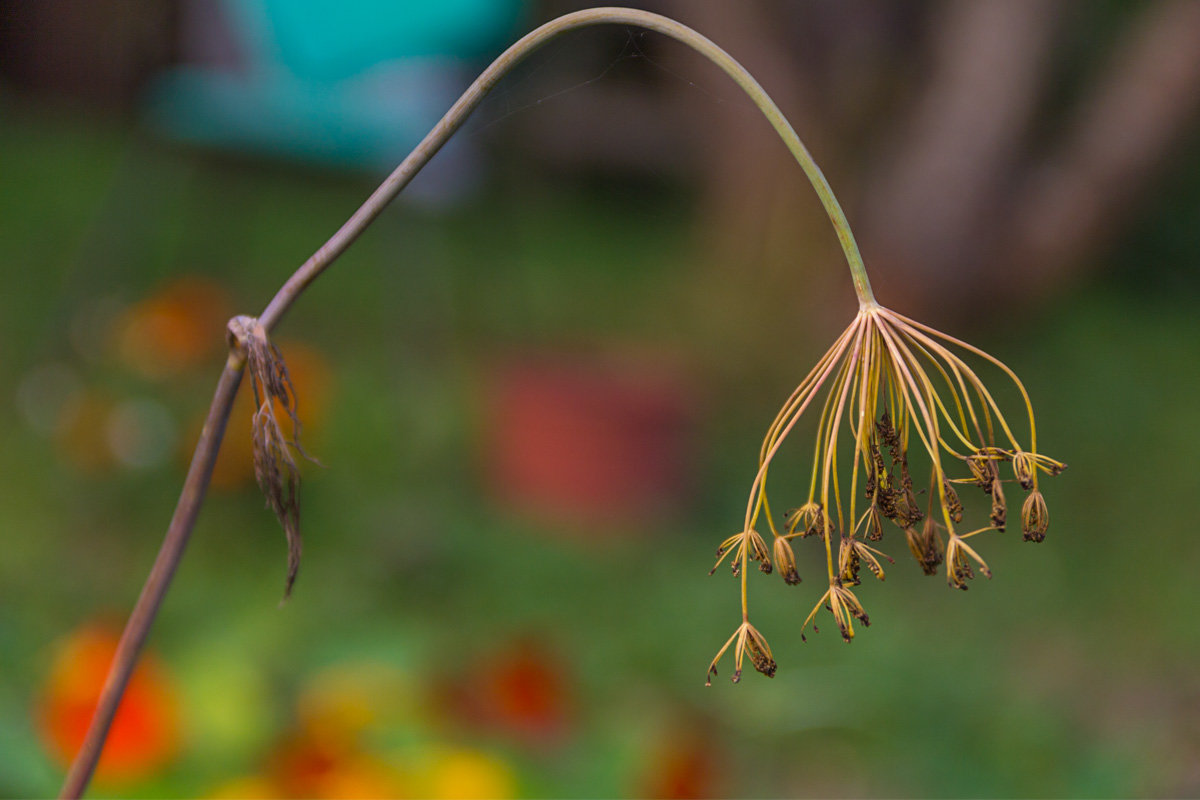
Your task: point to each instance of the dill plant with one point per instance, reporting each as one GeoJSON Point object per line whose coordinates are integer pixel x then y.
{"type": "Point", "coordinates": [887, 379]}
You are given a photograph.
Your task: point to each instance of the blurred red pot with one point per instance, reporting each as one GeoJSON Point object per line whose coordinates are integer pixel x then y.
{"type": "Point", "coordinates": [587, 442]}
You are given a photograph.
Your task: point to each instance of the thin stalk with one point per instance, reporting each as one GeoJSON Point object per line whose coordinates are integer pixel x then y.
{"type": "Point", "coordinates": [478, 90]}
{"type": "Point", "coordinates": [200, 472]}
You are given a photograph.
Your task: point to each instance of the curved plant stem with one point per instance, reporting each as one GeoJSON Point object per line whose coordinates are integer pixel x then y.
{"type": "Point", "coordinates": [201, 468]}
{"type": "Point", "coordinates": [474, 95]}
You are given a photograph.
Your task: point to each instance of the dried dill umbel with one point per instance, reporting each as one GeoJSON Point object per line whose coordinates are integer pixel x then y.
{"type": "Point", "coordinates": [887, 388]}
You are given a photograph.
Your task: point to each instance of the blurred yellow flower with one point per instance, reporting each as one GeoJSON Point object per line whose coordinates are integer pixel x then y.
{"type": "Point", "coordinates": [463, 774]}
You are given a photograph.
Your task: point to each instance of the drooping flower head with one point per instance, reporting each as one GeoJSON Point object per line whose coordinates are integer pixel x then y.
{"type": "Point", "coordinates": [890, 386]}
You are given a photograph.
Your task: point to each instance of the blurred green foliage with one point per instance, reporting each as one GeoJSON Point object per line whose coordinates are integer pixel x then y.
{"type": "Point", "coordinates": [1070, 674]}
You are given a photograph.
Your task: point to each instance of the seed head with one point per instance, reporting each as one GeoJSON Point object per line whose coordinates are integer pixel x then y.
{"type": "Point", "coordinates": [958, 561]}
{"type": "Point", "coordinates": [1035, 517]}
{"type": "Point", "coordinates": [982, 465]}
{"type": "Point", "coordinates": [1024, 469]}
{"type": "Point", "coordinates": [926, 546]}
{"type": "Point", "coordinates": [953, 504]}
{"type": "Point", "coordinates": [999, 510]}
{"type": "Point", "coordinates": [785, 560]}
{"type": "Point", "coordinates": [757, 550]}
{"type": "Point", "coordinates": [747, 545]}
{"type": "Point", "coordinates": [893, 398]}
{"type": "Point", "coordinates": [844, 605]}
{"type": "Point", "coordinates": [745, 641]}
{"type": "Point", "coordinates": [807, 520]}
{"type": "Point", "coordinates": [874, 523]}
{"type": "Point", "coordinates": [852, 554]}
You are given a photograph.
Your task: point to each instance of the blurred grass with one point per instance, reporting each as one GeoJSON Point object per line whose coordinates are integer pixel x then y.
{"type": "Point", "coordinates": [1071, 674]}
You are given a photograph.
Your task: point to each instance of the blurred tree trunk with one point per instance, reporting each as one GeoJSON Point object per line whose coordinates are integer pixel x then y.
{"type": "Point", "coordinates": [929, 210]}
{"type": "Point", "coordinates": [957, 211]}
{"type": "Point", "coordinates": [981, 160]}
{"type": "Point", "coordinates": [1117, 146]}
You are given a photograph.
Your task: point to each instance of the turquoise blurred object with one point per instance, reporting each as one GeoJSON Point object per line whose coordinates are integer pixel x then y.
{"type": "Point", "coordinates": [351, 83]}
{"type": "Point", "coordinates": [323, 40]}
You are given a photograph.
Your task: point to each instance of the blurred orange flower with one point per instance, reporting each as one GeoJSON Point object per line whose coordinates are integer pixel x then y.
{"type": "Point", "coordinates": [145, 733]}
{"type": "Point", "coordinates": [177, 328]}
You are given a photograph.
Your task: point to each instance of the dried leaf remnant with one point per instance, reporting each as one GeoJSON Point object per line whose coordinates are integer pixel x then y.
{"type": "Point", "coordinates": [275, 466]}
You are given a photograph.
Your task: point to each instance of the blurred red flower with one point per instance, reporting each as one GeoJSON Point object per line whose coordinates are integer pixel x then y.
{"type": "Point", "coordinates": [520, 691]}
{"type": "Point", "coordinates": [145, 733]}
{"type": "Point", "coordinates": [683, 765]}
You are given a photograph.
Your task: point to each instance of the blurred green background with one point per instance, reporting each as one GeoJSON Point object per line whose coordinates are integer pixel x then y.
{"type": "Point", "coordinates": [538, 396]}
